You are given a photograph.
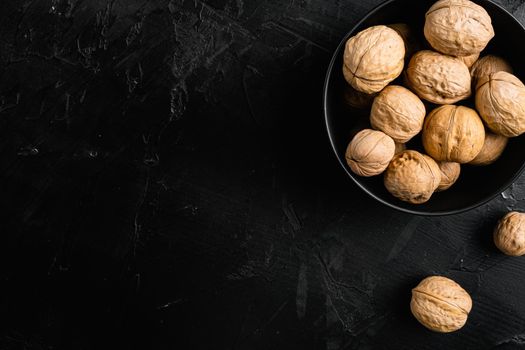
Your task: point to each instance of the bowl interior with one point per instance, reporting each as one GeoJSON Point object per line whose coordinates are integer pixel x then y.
{"type": "Point", "coordinates": [476, 185]}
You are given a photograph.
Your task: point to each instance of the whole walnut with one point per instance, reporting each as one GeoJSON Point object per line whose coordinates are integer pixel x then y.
{"type": "Point", "coordinates": [458, 27]}
{"type": "Point", "coordinates": [493, 148]}
{"type": "Point", "coordinates": [509, 235]}
{"type": "Point", "coordinates": [487, 65]}
{"type": "Point", "coordinates": [373, 58]}
{"type": "Point", "coordinates": [470, 60]}
{"type": "Point", "coordinates": [453, 134]}
{"type": "Point", "coordinates": [370, 152]}
{"type": "Point", "coordinates": [412, 177]}
{"type": "Point", "coordinates": [438, 78]}
{"type": "Point", "coordinates": [500, 101]}
{"type": "Point", "coordinates": [398, 112]}
{"type": "Point", "coordinates": [440, 304]}
{"type": "Point", "coordinates": [449, 175]}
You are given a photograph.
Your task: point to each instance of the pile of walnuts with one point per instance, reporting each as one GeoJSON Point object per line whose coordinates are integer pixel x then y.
{"type": "Point", "coordinates": [435, 80]}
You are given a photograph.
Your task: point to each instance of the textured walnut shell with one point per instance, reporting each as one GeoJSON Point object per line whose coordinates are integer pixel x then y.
{"type": "Point", "coordinates": [438, 78]}
{"type": "Point", "coordinates": [470, 60]}
{"type": "Point", "coordinates": [458, 27]}
{"type": "Point", "coordinates": [500, 100]}
{"type": "Point", "coordinates": [450, 172]}
{"type": "Point", "coordinates": [412, 177]}
{"type": "Point", "coordinates": [357, 99]}
{"type": "Point", "coordinates": [398, 112]}
{"type": "Point", "coordinates": [487, 65]}
{"type": "Point", "coordinates": [373, 58]}
{"type": "Point", "coordinates": [509, 235]}
{"type": "Point", "coordinates": [440, 304]}
{"type": "Point", "coordinates": [370, 152]}
{"type": "Point", "coordinates": [493, 148]}
{"type": "Point", "coordinates": [453, 134]}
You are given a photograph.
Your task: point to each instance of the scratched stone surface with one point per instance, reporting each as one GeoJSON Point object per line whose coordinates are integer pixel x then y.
{"type": "Point", "coordinates": [167, 183]}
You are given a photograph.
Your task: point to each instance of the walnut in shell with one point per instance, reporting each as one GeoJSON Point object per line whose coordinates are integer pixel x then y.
{"type": "Point", "coordinates": [453, 134]}
{"type": "Point", "coordinates": [398, 112]}
{"type": "Point", "coordinates": [440, 304]}
{"type": "Point", "coordinates": [500, 101]}
{"type": "Point", "coordinates": [370, 152]}
{"type": "Point", "coordinates": [373, 58]}
{"type": "Point", "coordinates": [412, 177]}
{"type": "Point", "coordinates": [449, 175]}
{"type": "Point", "coordinates": [458, 27]}
{"type": "Point", "coordinates": [487, 65]}
{"type": "Point", "coordinates": [493, 148]}
{"type": "Point", "coordinates": [438, 78]}
{"type": "Point", "coordinates": [509, 235]}
{"type": "Point", "coordinates": [470, 60]}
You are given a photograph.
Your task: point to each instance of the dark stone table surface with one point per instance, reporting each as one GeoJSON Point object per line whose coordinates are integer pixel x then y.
{"type": "Point", "coordinates": [167, 183]}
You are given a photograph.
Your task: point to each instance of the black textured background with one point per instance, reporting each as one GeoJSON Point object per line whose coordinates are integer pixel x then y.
{"type": "Point", "coordinates": [167, 183]}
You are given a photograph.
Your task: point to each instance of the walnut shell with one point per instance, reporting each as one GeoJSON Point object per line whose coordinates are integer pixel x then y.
{"type": "Point", "coordinates": [370, 152]}
{"type": "Point", "coordinates": [439, 78]}
{"type": "Point", "coordinates": [373, 58]}
{"type": "Point", "coordinates": [470, 60]}
{"type": "Point", "coordinates": [412, 177]}
{"type": "Point", "coordinates": [493, 148]}
{"type": "Point", "coordinates": [398, 113]}
{"type": "Point", "coordinates": [449, 175]}
{"type": "Point", "coordinates": [440, 304]}
{"type": "Point", "coordinates": [458, 27]}
{"type": "Point", "coordinates": [509, 235]}
{"type": "Point", "coordinates": [500, 101]}
{"type": "Point", "coordinates": [453, 134]}
{"type": "Point", "coordinates": [487, 65]}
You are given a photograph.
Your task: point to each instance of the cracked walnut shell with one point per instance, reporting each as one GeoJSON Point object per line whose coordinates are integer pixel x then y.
{"type": "Point", "coordinates": [500, 101]}
{"type": "Point", "coordinates": [439, 78]}
{"type": "Point", "coordinates": [370, 152]}
{"type": "Point", "coordinates": [398, 112]}
{"type": "Point", "coordinates": [487, 65]}
{"type": "Point", "coordinates": [493, 148]}
{"type": "Point", "coordinates": [453, 134]}
{"type": "Point", "coordinates": [450, 172]}
{"type": "Point", "coordinates": [373, 58]}
{"type": "Point", "coordinates": [412, 177]}
{"type": "Point", "coordinates": [440, 304]}
{"type": "Point", "coordinates": [458, 27]}
{"type": "Point", "coordinates": [509, 235]}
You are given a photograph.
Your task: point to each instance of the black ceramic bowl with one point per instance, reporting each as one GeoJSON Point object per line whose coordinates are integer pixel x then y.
{"type": "Point", "coordinates": [476, 185]}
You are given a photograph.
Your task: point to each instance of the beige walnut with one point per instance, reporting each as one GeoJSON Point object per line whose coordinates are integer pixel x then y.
{"type": "Point", "coordinates": [487, 65]}
{"type": "Point", "coordinates": [370, 152]}
{"type": "Point", "coordinates": [470, 60]}
{"type": "Point", "coordinates": [398, 112]}
{"type": "Point", "coordinates": [493, 148]}
{"type": "Point", "coordinates": [458, 27]}
{"type": "Point", "coordinates": [509, 235]}
{"type": "Point", "coordinates": [500, 100]}
{"type": "Point", "coordinates": [440, 304]}
{"type": "Point", "coordinates": [453, 134]}
{"type": "Point", "coordinates": [412, 177]}
{"type": "Point", "coordinates": [373, 58]}
{"type": "Point", "coordinates": [438, 78]}
{"type": "Point", "coordinates": [450, 172]}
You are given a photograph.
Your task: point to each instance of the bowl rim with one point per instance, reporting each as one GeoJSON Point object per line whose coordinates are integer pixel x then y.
{"type": "Point", "coordinates": [328, 77]}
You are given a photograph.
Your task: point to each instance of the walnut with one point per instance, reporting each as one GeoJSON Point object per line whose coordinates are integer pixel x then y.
{"type": "Point", "coordinates": [449, 175]}
{"type": "Point", "coordinates": [500, 101]}
{"type": "Point", "coordinates": [412, 177]}
{"type": "Point", "coordinates": [509, 235]}
{"type": "Point", "coordinates": [453, 134]}
{"type": "Point", "coordinates": [357, 99]}
{"type": "Point", "coordinates": [458, 27]}
{"type": "Point", "coordinates": [373, 58]}
{"type": "Point", "coordinates": [470, 60]}
{"type": "Point", "coordinates": [370, 152]}
{"type": "Point", "coordinates": [440, 304]}
{"type": "Point", "coordinates": [493, 148]}
{"type": "Point", "coordinates": [398, 113]}
{"type": "Point", "coordinates": [487, 65]}
{"type": "Point", "coordinates": [438, 78]}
